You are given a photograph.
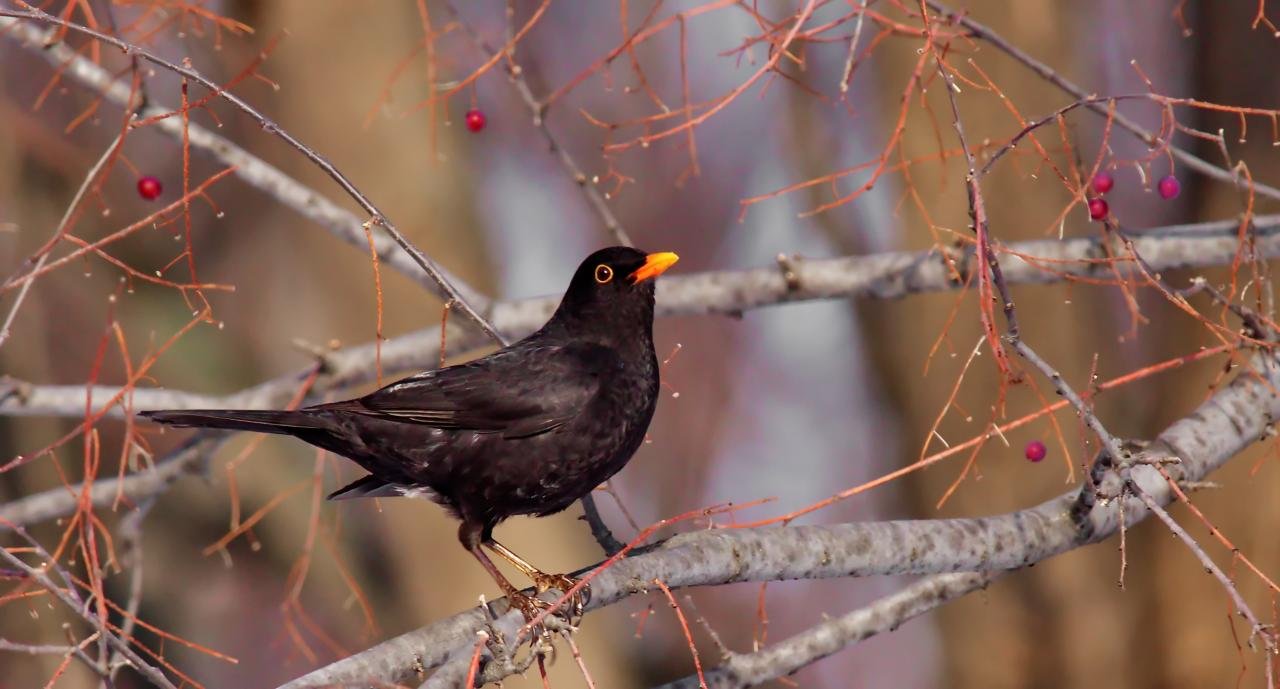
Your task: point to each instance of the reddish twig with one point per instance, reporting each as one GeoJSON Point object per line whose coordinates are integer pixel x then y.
{"type": "Point", "coordinates": [684, 626]}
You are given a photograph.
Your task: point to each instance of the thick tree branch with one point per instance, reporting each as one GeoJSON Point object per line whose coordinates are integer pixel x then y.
{"type": "Point", "coordinates": [1235, 416]}
{"type": "Point", "coordinates": [887, 275]}
{"type": "Point", "coordinates": [134, 488]}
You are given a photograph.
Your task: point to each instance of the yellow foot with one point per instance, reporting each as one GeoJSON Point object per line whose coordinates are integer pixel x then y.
{"type": "Point", "coordinates": [564, 583]}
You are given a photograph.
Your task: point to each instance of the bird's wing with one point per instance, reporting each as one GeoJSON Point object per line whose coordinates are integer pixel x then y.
{"type": "Point", "coordinates": [518, 392]}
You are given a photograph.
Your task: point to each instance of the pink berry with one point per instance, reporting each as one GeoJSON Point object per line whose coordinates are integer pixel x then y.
{"type": "Point", "coordinates": [1103, 182]}
{"type": "Point", "coordinates": [1169, 187]}
{"type": "Point", "coordinates": [1098, 208]}
{"type": "Point", "coordinates": [475, 120]}
{"type": "Point", "coordinates": [149, 188]}
{"type": "Point", "coordinates": [1035, 451]}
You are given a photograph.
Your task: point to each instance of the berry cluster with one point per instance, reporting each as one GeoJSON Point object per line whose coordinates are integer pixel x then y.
{"type": "Point", "coordinates": [1168, 187]}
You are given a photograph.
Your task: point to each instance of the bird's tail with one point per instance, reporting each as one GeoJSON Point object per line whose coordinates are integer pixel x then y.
{"type": "Point", "coordinates": [282, 422]}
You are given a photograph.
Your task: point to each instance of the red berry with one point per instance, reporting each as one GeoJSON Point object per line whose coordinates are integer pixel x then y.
{"type": "Point", "coordinates": [475, 120]}
{"type": "Point", "coordinates": [1169, 187]}
{"type": "Point", "coordinates": [1035, 451]}
{"type": "Point", "coordinates": [149, 188]}
{"type": "Point", "coordinates": [1098, 208]}
{"type": "Point", "coordinates": [1103, 182]}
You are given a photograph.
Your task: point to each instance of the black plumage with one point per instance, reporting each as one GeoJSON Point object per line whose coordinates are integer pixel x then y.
{"type": "Point", "coordinates": [527, 430]}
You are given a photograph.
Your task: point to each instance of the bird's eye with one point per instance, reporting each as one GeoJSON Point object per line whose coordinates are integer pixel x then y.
{"type": "Point", "coordinates": [603, 273]}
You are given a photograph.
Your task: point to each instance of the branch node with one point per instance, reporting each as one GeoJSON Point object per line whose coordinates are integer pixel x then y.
{"type": "Point", "coordinates": [323, 354]}
{"type": "Point", "coordinates": [11, 387]}
{"type": "Point", "coordinates": [786, 264]}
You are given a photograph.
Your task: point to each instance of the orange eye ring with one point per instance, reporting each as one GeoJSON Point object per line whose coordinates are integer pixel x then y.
{"type": "Point", "coordinates": [603, 273]}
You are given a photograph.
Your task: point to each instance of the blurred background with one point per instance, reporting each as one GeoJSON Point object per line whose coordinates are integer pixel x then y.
{"type": "Point", "coordinates": [791, 402]}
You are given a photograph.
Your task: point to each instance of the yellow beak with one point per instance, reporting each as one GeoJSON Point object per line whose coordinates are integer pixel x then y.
{"type": "Point", "coordinates": [654, 265]}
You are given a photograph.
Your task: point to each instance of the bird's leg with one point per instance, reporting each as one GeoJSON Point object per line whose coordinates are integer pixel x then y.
{"type": "Point", "coordinates": [472, 536]}
{"type": "Point", "coordinates": [543, 581]}
{"type": "Point", "coordinates": [528, 606]}
{"type": "Point", "coordinates": [518, 562]}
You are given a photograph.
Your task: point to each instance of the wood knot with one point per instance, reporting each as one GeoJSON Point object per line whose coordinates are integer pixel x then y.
{"type": "Point", "coordinates": [786, 264]}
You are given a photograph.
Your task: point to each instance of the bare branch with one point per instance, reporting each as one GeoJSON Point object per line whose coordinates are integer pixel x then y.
{"type": "Point", "coordinates": [135, 487]}
{"type": "Point", "coordinates": [35, 649]}
{"type": "Point", "coordinates": [826, 638]}
{"type": "Point", "coordinates": [889, 275]}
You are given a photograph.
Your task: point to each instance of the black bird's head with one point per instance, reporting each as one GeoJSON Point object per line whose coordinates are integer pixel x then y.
{"type": "Point", "coordinates": [612, 292]}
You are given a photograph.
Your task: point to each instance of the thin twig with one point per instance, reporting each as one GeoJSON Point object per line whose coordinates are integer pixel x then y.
{"type": "Point", "coordinates": [1257, 628]}
{"type": "Point", "coordinates": [34, 649]}
{"type": "Point", "coordinates": [135, 66]}
{"type": "Point", "coordinates": [577, 658]}
{"type": "Point", "coordinates": [599, 530]}
{"type": "Point", "coordinates": [853, 47]}
{"type": "Point", "coordinates": [131, 534]}
{"type": "Point", "coordinates": [684, 627]}
{"type": "Point", "coordinates": [67, 215]}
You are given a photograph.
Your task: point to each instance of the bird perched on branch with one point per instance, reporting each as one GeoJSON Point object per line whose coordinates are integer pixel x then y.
{"type": "Point", "coordinates": [527, 430]}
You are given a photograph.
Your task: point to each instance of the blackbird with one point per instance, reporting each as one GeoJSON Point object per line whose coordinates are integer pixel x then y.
{"type": "Point", "coordinates": [527, 430]}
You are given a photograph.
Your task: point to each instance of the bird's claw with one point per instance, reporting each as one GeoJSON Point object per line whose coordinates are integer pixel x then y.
{"type": "Point", "coordinates": [531, 607]}
{"type": "Point", "coordinates": [564, 583]}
